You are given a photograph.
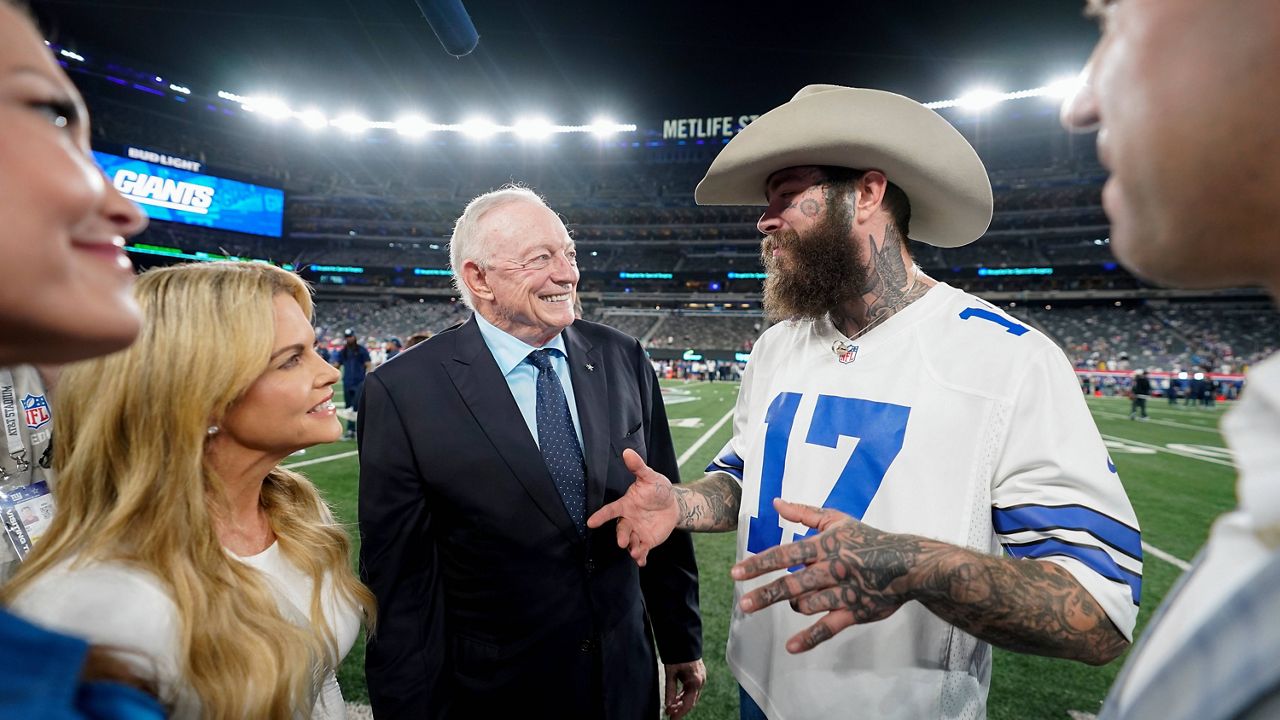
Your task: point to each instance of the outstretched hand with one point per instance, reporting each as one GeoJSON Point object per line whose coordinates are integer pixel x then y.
{"type": "Point", "coordinates": [646, 513]}
{"type": "Point", "coordinates": [852, 572]}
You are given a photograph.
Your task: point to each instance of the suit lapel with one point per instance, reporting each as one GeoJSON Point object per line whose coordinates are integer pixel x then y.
{"type": "Point", "coordinates": [480, 383]}
{"type": "Point", "coordinates": [591, 395]}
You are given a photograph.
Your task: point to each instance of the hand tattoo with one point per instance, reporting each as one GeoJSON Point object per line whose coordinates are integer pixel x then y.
{"type": "Point", "coordinates": [709, 505]}
{"type": "Point", "coordinates": [858, 574]}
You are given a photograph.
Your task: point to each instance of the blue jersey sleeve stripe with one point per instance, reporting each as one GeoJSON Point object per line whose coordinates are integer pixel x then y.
{"type": "Point", "coordinates": [715, 466]}
{"type": "Point", "coordinates": [1093, 558]}
{"type": "Point", "coordinates": [1069, 517]}
{"type": "Point", "coordinates": [727, 462]}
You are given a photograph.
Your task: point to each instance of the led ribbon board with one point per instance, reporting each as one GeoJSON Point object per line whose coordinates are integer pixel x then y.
{"type": "Point", "coordinates": [166, 193]}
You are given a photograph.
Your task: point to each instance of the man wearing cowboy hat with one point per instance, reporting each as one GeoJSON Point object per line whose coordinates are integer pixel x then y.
{"type": "Point", "coordinates": [923, 430]}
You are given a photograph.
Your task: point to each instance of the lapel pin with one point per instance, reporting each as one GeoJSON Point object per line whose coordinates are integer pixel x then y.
{"type": "Point", "coordinates": [590, 367]}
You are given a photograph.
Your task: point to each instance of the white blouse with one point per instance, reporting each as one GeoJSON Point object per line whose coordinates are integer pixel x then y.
{"type": "Point", "coordinates": [117, 605]}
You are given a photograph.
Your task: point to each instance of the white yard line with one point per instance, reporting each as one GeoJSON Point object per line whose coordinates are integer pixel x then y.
{"type": "Point", "coordinates": [326, 458]}
{"type": "Point", "coordinates": [1166, 423]}
{"type": "Point", "coordinates": [1177, 562]}
{"type": "Point", "coordinates": [703, 440]}
{"type": "Point", "coordinates": [1171, 451]}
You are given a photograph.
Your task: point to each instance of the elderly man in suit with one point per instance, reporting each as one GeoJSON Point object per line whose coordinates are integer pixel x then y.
{"type": "Point", "coordinates": [482, 451]}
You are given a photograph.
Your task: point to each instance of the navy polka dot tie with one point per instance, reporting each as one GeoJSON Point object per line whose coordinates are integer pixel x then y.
{"type": "Point", "coordinates": [558, 441]}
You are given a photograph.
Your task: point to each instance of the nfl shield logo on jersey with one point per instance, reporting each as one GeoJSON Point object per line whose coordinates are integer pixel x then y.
{"type": "Point", "coordinates": [845, 352]}
{"type": "Point", "coordinates": [36, 410]}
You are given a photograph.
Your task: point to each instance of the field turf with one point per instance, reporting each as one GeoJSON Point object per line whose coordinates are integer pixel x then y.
{"type": "Point", "coordinates": [1175, 468]}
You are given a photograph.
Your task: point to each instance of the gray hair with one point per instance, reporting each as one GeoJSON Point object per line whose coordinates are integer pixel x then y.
{"type": "Point", "coordinates": [467, 243]}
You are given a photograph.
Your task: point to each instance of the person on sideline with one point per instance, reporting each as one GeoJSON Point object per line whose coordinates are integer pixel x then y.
{"type": "Point", "coordinates": [960, 456]}
{"type": "Point", "coordinates": [65, 296]}
{"type": "Point", "coordinates": [482, 451]}
{"type": "Point", "coordinates": [1184, 102]}
{"type": "Point", "coordinates": [178, 540]}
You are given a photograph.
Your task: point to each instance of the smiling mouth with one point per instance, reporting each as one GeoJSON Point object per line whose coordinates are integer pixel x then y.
{"type": "Point", "coordinates": [326, 406]}
{"type": "Point", "coordinates": [562, 297]}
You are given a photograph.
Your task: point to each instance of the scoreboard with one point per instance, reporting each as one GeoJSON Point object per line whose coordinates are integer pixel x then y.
{"type": "Point", "coordinates": [176, 195]}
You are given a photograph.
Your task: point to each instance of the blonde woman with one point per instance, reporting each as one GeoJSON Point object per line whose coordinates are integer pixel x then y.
{"type": "Point", "coordinates": [179, 540]}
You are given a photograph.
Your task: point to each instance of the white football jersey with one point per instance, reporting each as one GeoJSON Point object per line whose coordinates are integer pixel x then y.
{"type": "Point", "coordinates": [952, 421]}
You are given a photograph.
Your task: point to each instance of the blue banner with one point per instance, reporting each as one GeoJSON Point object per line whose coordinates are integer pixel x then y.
{"type": "Point", "coordinates": [174, 195]}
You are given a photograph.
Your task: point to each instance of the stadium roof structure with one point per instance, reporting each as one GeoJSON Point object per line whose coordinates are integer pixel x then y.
{"type": "Point", "coordinates": [568, 62]}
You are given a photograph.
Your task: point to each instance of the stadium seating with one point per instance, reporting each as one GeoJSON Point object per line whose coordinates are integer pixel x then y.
{"type": "Point", "coordinates": [361, 217]}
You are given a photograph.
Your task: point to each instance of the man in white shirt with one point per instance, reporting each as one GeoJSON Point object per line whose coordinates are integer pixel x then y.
{"type": "Point", "coordinates": [1184, 99]}
{"type": "Point", "coordinates": [887, 397]}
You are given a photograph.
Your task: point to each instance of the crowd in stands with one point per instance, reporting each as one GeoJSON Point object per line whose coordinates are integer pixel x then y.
{"type": "Point", "coordinates": [361, 205]}
{"type": "Point", "coordinates": [378, 322]}
{"type": "Point", "coordinates": [1220, 339]}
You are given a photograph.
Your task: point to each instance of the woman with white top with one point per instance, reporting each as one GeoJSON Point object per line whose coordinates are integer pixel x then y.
{"type": "Point", "coordinates": [179, 541]}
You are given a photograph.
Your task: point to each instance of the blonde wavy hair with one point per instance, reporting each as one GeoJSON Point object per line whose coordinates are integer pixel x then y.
{"type": "Point", "coordinates": [135, 486]}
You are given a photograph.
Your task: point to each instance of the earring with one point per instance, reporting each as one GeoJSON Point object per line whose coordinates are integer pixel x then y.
{"type": "Point", "coordinates": [213, 430]}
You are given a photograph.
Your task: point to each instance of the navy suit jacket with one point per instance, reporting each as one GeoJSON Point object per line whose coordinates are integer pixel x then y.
{"type": "Point", "coordinates": [489, 600]}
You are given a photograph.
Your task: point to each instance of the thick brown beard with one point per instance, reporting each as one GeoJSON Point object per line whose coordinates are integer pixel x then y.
{"type": "Point", "coordinates": [818, 271]}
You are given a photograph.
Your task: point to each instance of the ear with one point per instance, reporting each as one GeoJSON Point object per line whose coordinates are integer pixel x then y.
{"type": "Point", "coordinates": [870, 197]}
{"type": "Point", "coordinates": [474, 276]}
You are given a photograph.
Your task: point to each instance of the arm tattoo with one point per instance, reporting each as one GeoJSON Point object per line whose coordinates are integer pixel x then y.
{"type": "Point", "coordinates": [1026, 606]}
{"type": "Point", "coordinates": [708, 505]}
{"type": "Point", "coordinates": [1020, 605]}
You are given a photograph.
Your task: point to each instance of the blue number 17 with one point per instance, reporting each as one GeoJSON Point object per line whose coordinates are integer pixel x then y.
{"type": "Point", "coordinates": [880, 429]}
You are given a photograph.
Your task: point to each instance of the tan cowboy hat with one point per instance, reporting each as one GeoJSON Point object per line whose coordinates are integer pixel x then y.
{"type": "Point", "coordinates": [861, 129]}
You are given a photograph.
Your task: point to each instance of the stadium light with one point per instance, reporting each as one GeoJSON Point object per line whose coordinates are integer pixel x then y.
{"type": "Point", "coordinates": [979, 99]}
{"type": "Point", "coordinates": [272, 108]}
{"type": "Point", "coordinates": [350, 123]}
{"type": "Point", "coordinates": [180, 88]}
{"type": "Point", "coordinates": [412, 126]}
{"type": "Point", "coordinates": [534, 128]}
{"type": "Point", "coordinates": [605, 127]}
{"type": "Point", "coordinates": [313, 119]}
{"type": "Point", "coordinates": [479, 128]}
{"type": "Point", "coordinates": [233, 97]}
{"type": "Point", "coordinates": [74, 56]}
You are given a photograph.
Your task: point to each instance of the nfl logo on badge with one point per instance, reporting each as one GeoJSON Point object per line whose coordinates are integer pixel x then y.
{"type": "Point", "coordinates": [36, 409]}
{"type": "Point", "coordinates": [845, 352]}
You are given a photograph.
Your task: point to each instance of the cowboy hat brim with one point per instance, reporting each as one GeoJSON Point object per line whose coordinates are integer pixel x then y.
{"type": "Point", "coordinates": [916, 149]}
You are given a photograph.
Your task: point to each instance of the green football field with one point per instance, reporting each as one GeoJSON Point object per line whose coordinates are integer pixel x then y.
{"type": "Point", "coordinates": [1175, 468]}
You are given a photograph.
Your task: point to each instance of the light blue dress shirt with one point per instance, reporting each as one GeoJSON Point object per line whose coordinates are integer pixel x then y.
{"type": "Point", "coordinates": [522, 378]}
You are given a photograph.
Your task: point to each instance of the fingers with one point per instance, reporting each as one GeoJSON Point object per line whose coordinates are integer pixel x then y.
{"type": "Point", "coordinates": [820, 632]}
{"type": "Point", "coordinates": [814, 517]}
{"type": "Point", "coordinates": [683, 688]}
{"type": "Point", "coordinates": [634, 463]}
{"type": "Point", "coordinates": [801, 552]}
{"type": "Point", "coordinates": [816, 577]}
{"type": "Point", "coordinates": [638, 549]}
{"type": "Point", "coordinates": [819, 601]}
{"type": "Point", "coordinates": [688, 698]}
{"type": "Point", "coordinates": [636, 466]}
{"type": "Point", "coordinates": [605, 514]}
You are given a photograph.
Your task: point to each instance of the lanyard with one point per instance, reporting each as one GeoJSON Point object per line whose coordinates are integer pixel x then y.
{"type": "Point", "coordinates": [13, 437]}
